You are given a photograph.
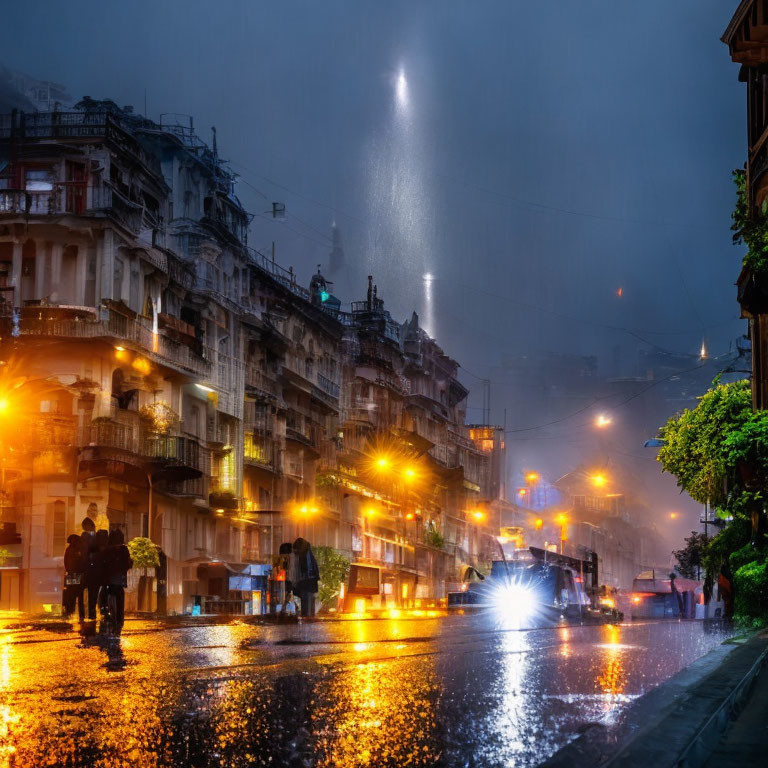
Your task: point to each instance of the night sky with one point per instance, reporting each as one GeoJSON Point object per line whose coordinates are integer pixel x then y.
{"type": "Point", "coordinates": [531, 157]}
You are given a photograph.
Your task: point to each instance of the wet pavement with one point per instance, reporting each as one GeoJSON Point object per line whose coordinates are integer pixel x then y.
{"type": "Point", "coordinates": [452, 691]}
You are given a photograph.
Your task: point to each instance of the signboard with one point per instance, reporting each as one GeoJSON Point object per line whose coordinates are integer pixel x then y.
{"type": "Point", "coordinates": [363, 580]}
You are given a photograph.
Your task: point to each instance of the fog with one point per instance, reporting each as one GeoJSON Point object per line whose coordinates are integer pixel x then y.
{"type": "Point", "coordinates": [532, 158]}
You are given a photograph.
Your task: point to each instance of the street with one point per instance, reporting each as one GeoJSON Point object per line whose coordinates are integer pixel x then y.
{"type": "Point", "coordinates": [458, 690]}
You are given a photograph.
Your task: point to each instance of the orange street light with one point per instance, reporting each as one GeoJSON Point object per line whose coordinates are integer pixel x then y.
{"type": "Point", "coordinates": [382, 463]}
{"type": "Point", "coordinates": [599, 480]}
{"type": "Point", "coordinates": [532, 478]}
{"type": "Point", "coordinates": [673, 515]}
{"type": "Point", "coordinates": [479, 515]}
{"type": "Point", "coordinates": [409, 474]}
{"type": "Point", "coordinates": [603, 420]}
{"type": "Point", "coordinates": [538, 524]}
{"type": "Point", "coordinates": [561, 519]}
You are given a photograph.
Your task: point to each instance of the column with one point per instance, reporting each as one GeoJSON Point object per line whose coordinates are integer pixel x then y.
{"type": "Point", "coordinates": [16, 273]}
{"type": "Point", "coordinates": [54, 289]}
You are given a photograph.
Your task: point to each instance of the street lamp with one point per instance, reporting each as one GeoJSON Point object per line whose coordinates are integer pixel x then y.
{"type": "Point", "coordinates": [562, 521]}
{"type": "Point", "coordinates": [599, 480]}
{"type": "Point", "coordinates": [603, 420]}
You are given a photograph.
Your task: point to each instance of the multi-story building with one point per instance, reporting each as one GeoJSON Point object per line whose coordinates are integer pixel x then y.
{"type": "Point", "coordinates": [161, 377]}
{"type": "Point", "coordinates": [747, 42]}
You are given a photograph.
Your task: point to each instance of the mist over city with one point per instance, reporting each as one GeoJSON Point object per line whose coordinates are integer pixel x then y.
{"type": "Point", "coordinates": [413, 304]}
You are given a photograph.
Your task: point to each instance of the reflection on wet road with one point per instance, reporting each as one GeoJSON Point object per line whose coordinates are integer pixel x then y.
{"type": "Point", "coordinates": [462, 690]}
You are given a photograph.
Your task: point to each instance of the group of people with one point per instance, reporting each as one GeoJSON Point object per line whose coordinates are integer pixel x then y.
{"type": "Point", "coordinates": [299, 567]}
{"type": "Point", "coordinates": [96, 565]}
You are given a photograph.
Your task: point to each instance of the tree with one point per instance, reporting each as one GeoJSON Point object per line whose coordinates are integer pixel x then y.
{"type": "Point", "coordinates": [144, 552]}
{"type": "Point", "coordinates": [691, 557]}
{"type": "Point", "coordinates": [695, 448]}
{"type": "Point", "coordinates": [719, 453]}
{"type": "Point", "coordinates": [334, 569]}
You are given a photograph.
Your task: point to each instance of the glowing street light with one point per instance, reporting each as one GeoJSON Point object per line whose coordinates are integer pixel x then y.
{"type": "Point", "coordinates": [599, 480]}
{"type": "Point", "coordinates": [409, 474]}
{"type": "Point", "coordinates": [562, 521]}
{"type": "Point", "coordinates": [673, 515]}
{"type": "Point", "coordinates": [603, 420]}
{"type": "Point", "coordinates": [532, 478]}
{"type": "Point", "coordinates": [538, 523]}
{"type": "Point", "coordinates": [479, 515]}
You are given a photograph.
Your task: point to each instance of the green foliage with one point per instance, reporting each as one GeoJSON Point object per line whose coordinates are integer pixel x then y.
{"type": "Point", "coordinates": [751, 590]}
{"type": "Point", "coordinates": [753, 232]}
{"type": "Point", "coordinates": [334, 569]}
{"type": "Point", "coordinates": [696, 447]}
{"type": "Point", "coordinates": [5, 554]}
{"type": "Point", "coordinates": [729, 540]}
{"type": "Point", "coordinates": [144, 552]}
{"type": "Point", "coordinates": [327, 480]}
{"type": "Point", "coordinates": [690, 559]}
{"type": "Point", "coordinates": [434, 538]}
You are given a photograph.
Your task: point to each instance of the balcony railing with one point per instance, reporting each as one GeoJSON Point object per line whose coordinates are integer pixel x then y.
{"type": "Point", "coordinates": [174, 450]}
{"type": "Point", "coordinates": [307, 437]}
{"type": "Point", "coordinates": [78, 200]}
{"type": "Point", "coordinates": [167, 449]}
{"type": "Point", "coordinates": [257, 450]}
{"type": "Point", "coordinates": [257, 379]}
{"type": "Point", "coordinates": [111, 324]}
{"type": "Point", "coordinates": [326, 385]}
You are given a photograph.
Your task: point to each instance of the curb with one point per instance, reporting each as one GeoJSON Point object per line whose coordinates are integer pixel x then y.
{"type": "Point", "coordinates": [679, 723]}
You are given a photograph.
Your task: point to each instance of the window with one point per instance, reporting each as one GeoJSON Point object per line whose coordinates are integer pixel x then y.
{"type": "Point", "coordinates": [38, 181]}
{"type": "Point", "coordinates": [59, 528]}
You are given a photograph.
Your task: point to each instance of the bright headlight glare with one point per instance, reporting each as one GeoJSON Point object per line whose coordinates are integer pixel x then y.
{"type": "Point", "coordinates": [516, 601]}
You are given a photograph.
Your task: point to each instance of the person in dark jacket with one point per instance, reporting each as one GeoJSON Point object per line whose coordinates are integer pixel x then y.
{"type": "Point", "coordinates": [96, 573]}
{"type": "Point", "coordinates": [74, 567]}
{"type": "Point", "coordinates": [309, 575]}
{"type": "Point", "coordinates": [90, 580]}
{"type": "Point", "coordinates": [117, 564]}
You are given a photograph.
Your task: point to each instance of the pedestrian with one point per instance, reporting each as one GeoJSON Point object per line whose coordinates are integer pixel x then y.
{"type": "Point", "coordinates": [309, 575]}
{"type": "Point", "coordinates": [90, 578]}
{"type": "Point", "coordinates": [117, 564]}
{"type": "Point", "coordinates": [96, 573]}
{"type": "Point", "coordinates": [280, 573]}
{"type": "Point", "coordinates": [74, 567]}
{"type": "Point", "coordinates": [293, 576]}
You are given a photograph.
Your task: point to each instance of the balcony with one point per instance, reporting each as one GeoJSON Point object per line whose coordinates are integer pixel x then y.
{"type": "Point", "coordinates": [329, 387]}
{"type": "Point", "coordinates": [76, 199]}
{"type": "Point", "coordinates": [66, 322]}
{"type": "Point", "coordinates": [307, 438]}
{"type": "Point", "coordinates": [175, 453]}
{"type": "Point", "coordinates": [257, 451]}
{"type": "Point", "coordinates": [256, 379]}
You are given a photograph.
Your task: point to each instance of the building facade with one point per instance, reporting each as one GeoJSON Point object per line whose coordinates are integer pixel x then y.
{"type": "Point", "coordinates": [747, 42]}
{"type": "Point", "coordinates": [164, 378]}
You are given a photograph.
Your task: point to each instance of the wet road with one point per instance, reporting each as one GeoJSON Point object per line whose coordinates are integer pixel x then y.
{"type": "Point", "coordinates": [455, 691]}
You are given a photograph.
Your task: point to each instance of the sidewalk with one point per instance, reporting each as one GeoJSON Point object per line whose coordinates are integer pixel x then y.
{"type": "Point", "coordinates": [680, 723]}
{"type": "Point", "coordinates": [745, 742]}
